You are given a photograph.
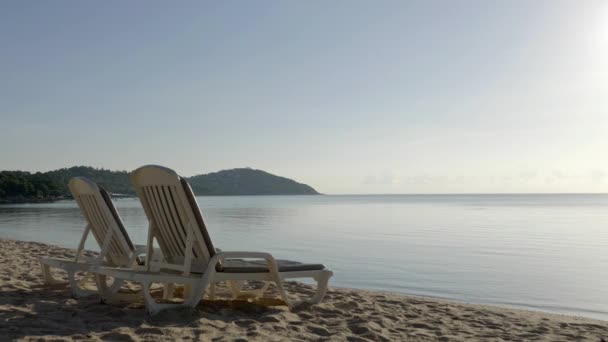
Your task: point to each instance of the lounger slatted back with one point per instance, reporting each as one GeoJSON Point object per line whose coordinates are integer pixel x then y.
{"type": "Point", "coordinates": [103, 221]}
{"type": "Point", "coordinates": [180, 231]}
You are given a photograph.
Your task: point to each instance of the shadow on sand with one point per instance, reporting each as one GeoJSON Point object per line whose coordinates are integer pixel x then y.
{"type": "Point", "coordinates": [45, 312]}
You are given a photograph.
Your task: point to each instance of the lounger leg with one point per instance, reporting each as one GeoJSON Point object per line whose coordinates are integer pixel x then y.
{"type": "Point", "coordinates": [84, 279]}
{"type": "Point", "coordinates": [187, 290]}
{"type": "Point", "coordinates": [108, 294]}
{"type": "Point", "coordinates": [152, 307]}
{"type": "Point", "coordinates": [116, 285]}
{"type": "Point", "coordinates": [281, 289]}
{"type": "Point", "coordinates": [100, 281]}
{"type": "Point", "coordinates": [73, 284]}
{"type": "Point", "coordinates": [77, 292]}
{"type": "Point", "coordinates": [260, 292]}
{"type": "Point", "coordinates": [322, 280]}
{"type": "Point", "coordinates": [198, 288]}
{"type": "Point", "coordinates": [235, 287]}
{"type": "Point", "coordinates": [168, 291]}
{"type": "Point", "coordinates": [48, 276]}
{"type": "Point", "coordinates": [212, 291]}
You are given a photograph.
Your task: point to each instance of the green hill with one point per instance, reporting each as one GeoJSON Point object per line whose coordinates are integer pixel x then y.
{"type": "Point", "coordinates": [20, 186]}
{"type": "Point", "coordinates": [116, 182]}
{"type": "Point", "coordinates": [246, 181]}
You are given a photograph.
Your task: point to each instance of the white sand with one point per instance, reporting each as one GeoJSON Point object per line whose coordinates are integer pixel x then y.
{"type": "Point", "coordinates": [31, 311]}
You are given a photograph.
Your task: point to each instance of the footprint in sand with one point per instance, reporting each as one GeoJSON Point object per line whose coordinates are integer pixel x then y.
{"type": "Point", "coordinates": [116, 336]}
{"type": "Point", "coordinates": [149, 331]}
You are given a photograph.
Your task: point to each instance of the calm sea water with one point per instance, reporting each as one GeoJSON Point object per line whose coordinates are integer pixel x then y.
{"type": "Point", "coordinates": [545, 252]}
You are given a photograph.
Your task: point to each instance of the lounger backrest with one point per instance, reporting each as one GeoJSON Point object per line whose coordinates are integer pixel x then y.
{"type": "Point", "coordinates": [102, 218]}
{"type": "Point", "coordinates": [174, 216]}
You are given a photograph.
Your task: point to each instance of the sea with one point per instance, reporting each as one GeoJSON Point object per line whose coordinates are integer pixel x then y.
{"type": "Point", "coordinates": [530, 251]}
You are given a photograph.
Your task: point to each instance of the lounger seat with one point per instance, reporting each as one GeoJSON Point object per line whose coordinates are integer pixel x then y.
{"type": "Point", "coordinates": [256, 266]}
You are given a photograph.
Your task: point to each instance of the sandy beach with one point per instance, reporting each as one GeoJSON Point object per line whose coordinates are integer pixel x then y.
{"type": "Point", "coordinates": [31, 311]}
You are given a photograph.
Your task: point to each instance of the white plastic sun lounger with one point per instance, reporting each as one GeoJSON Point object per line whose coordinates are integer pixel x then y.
{"type": "Point", "coordinates": [190, 258]}
{"type": "Point", "coordinates": [116, 248]}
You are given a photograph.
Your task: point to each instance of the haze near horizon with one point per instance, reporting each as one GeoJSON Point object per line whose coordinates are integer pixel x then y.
{"type": "Point", "coordinates": [348, 97]}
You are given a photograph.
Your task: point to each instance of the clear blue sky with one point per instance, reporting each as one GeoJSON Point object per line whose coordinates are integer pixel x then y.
{"type": "Point", "coordinates": [348, 96]}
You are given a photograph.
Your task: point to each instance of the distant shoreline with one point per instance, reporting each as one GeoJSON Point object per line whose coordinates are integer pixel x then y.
{"type": "Point", "coordinates": [5, 201]}
{"type": "Point", "coordinates": [21, 200]}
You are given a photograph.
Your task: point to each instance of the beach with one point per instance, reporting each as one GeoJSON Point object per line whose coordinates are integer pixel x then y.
{"type": "Point", "coordinates": [31, 311]}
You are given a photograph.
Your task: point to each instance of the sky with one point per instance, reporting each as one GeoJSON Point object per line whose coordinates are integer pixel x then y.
{"type": "Point", "coordinates": [350, 97]}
